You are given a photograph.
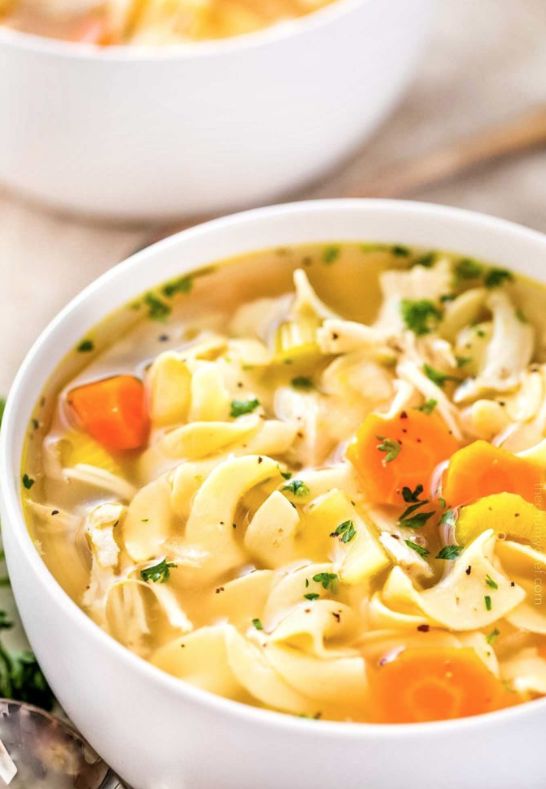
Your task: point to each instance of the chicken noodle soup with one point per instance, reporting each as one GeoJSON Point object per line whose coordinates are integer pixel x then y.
{"type": "Point", "coordinates": [154, 22]}
{"type": "Point", "coordinates": [310, 480]}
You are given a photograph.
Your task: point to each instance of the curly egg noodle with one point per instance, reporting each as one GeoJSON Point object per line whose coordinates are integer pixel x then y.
{"type": "Point", "coordinates": [311, 480]}
{"type": "Point", "coordinates": [149, 22]}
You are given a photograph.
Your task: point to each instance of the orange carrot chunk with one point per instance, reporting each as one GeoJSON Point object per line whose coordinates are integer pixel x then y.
{"type": "Point", "coordinates": [113, 412]}
{"type": "Point", "coordinates": [390, 454]}
{"type": "Point", "coordinates": [481, 469]}
{"type": "Point", "coordinates": [435, 683]}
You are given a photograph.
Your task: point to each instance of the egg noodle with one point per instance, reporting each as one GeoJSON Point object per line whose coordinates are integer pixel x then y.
{"type": "Point", "coordinates": [328, 505]}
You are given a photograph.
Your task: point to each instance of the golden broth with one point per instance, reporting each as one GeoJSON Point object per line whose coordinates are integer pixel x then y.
{"type": "Point", "coordinates": [283, 534]}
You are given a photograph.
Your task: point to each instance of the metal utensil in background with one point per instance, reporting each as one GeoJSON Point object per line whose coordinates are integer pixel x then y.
{"type": "Point", "coordinates": [39, 750]}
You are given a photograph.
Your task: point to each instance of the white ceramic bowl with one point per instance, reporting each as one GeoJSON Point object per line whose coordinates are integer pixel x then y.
{"type": "Point", "coordinates": [160, 733]}
{"type": "Point", "coordinates": [148, 133]}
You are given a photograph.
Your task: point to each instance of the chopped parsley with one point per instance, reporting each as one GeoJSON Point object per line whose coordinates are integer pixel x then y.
{"type": "Point", "coordinates": [330, 254]}
{"type": "Point", "coordinates": [496, 277]}
{"type": "Point", "coordinates": [86, 346]}
{"type": "Point", "coordinates": [436, 376]}
{"type": "Point", "coordinates": [462, 361]}
{"type": "Point", "coordinates": [158, 573]}
{"type": "Point", "coordinates": [28, 482]}
{"type": "Point", "coordinates": [5, 622]}
{"type": "Point", "coordinates": [390, 446]}
{"type": "Point", "coordinates": [426, 260]}
{"type": "Point", "coordinates": [258, 624]}
{"type": "Point", "coordinates": [488, 603]}
{"type": "Point", "coordinates": [325, 579]}
{"type": "Point", "coordinates": [410, 518]}
{"type": "Point", "coordinates": [450, 552]}
{"type": "Point", "coordinates": [400, 251]}
{"type": "Point", "coordinates": [420, 316]}
{"type": "Point", "coordinates": [416, 521]}
{"type": "Point", "coordinates": [181, 285]}
{"type": "Point", "coordinates": [449, 518]}
{"type": "Point", "coordinates": [2, 408]}
{"type": "Point", "coordinates": [286, 474]}
{"type": "Point", "coordinates": [21, 679]}
{"type": "Point", "coordinates": [302, 382]}
{"type": "Point", "coordinates": [158, 310]}
{"type": "Point", "coordinates": [491, 583]}
{"type": "Point", "coordinates": [417, 548]}
{"type": "Point", "coordinates": [345, 531]}
{"type": "Point", "coordinates": [311, 596]}
{"type": "Point", "coordinates": [492, 636]}
{"type": "Point", "coordinates": [241, 407]}
{"type": "Point", "coordinates": [428, 406]}
{"type": "Point", "coordinates": [467, 268]}
{"type": "Point", "coordinates": [410, 495]}
{"type": "Point", "coordinates": [297, 487]}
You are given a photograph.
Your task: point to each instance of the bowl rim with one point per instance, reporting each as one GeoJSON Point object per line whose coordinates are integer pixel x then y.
{"type": "Point", "coordinates": [10, 467]}
{"type": "Point", "coordinates": [185, 50]}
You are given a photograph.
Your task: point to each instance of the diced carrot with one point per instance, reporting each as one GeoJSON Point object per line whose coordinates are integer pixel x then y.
{"type": "Point", "coordinates": [480, 469]}
{"type": "Point", "coordinates": [435, 683]}
{"type": "Point", "coordinates": [113, 411]}
{"type": "Point", "coordinates": [418, 443]}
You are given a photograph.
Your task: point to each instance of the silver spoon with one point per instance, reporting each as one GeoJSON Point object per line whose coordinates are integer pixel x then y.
{"type": "Point", "coordinates": [40, 751]}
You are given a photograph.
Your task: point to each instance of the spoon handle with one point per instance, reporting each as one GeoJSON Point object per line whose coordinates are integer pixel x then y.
{"type": "Point", "coordinates": [506, 139]}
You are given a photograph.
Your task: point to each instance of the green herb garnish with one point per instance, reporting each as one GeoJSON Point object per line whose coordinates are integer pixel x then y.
{"type": "Point", "coordinates": [326, 579]}
{"type": "Point", "coordinates": [449, 518]}
{"type": "Point", "coordinates": [491, 583]}
{"type": "Point", "coordinates": [410, 495]}
{"type": "Point", "coordinates": [330, 254]}
{"type": "Point", "coordinates": [417, 548]}
{"type": "Point", "coordinates": [400, 251]}
{"type": "Point", "coordinates": [257, 624]}
{"type": "Point", "coordinates": [28, 482]}
{"type": "Point", "coordinates": [427, 260]}
{"type": "Point", "coordinates": [159, 573]}
{"type": "Point", "coordinates": [181, 285]}
{"type": "Point", "coordinates": [311, 596]}
{"type": "Point", "coordinates": [345, 531]}
{"type": "Point", "coordinates": [2, 408]}
{"type": "Point", "coordinates": [462, 361]}
{"type": "Point", "coordinates": [420, 316]}
{"type": "Point", "coordinates": [428, 406]}
{"type": "Point", "coordinates": [390, 446]}
{"type": "Point", "coordinates": [496, 277]}
{"type": "Point", "coordinates": [450, 552]}
{"type": "Point", "coordinates": [488, 603]}
{"type": "Point", "coordinates": [297, 487]}
{"type": "Point", "coordinates": [86, 346]}
{"type": "Point", "coordinates": [438, 377]}
{"type": "Point", "coordinates": [241, 407]}
{"type": "Point", "coordinates": [467, 268]}
{"type": "Point", "coordinates": [416, 521]}
{"type": "Point", "coordinates": [158, 310]}
{"type": "Point", "coordinates": [492, 636]}
{"type": "Point", "coordinates": [302, 382]}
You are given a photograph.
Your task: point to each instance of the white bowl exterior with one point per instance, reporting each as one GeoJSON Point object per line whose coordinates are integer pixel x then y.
{"type": "Point", "coordinates": [162, 734]}
{"type": "Point", "coordinates": [204, 128]}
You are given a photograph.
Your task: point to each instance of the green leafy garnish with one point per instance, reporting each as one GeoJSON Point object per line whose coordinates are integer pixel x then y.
{"type": "Point", "coordinates": [416, 521]}
{"type": "Point", "coordinates": [28, 482]}
{"type": "Point", "coordinates": [345, 531]}
{"type": "Point", "coordinates": [400, 251]}
{"type": "Point", "coordinates": [390, 446]}
{"type": "Point", "coordinates": [438, 377]}
{"type": "Point", "coordinates": [450, 552]}
{"type": "Point", "coordinates": [420, 316]}
{"type": "Point", "coordinates": [326, 579]}
{"type": "Point", "coordinates": [297, 487]}
{"type": "Point", "coordinates": [417, 548]}
{"type": "Point", "coordinates": [492, 636]}
{"type": "Point", "coordinates": [449, 518]}
{"type": "Point", "coordinates": [462, 361]}
{"type": "Point", "coordinates": [159, 573]}
{"type": "Point", "coordinates": [427, 260]}
{"type": "Point", "coordinates": [467, 268]}
{"type": "Point", "coordinates": [428, 406]}
{"type": "Point", "coordinates": [241, 407]}
{"type": "Point", "coordinates": [488, 602]}
{"type": "Point", "coordinates": [2, 408]}
{"type": "Point", "coordinates": [311, 596]}
{"type": "Point", "coordinates": [330, 254]}
{"type": "Point", "coordinates": [86, 346]}
{"type": "Point", "coordinates": [302, 382]}
{"type": "Point", "coordinates": [286, 474]}
{"type": "Point", "coordinates": [258, 624]}
{"type": "Point", "coordinates": [21, 679]}
{"type": "Point", "coordinates": [181, 285]}
{"type": "Point", "coordinates": [158, 310]}
{"type": "Point", "coordinates": [410, 495]}
{"type": "Point", "coordinates": [496, 277]}
{"type": "Point", "coordinates": [491, 583]}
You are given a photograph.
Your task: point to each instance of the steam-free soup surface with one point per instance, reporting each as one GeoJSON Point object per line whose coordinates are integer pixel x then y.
{"type": "Point", "coordinates": [155, 22]}
{"type": "Point", "coordinates": [310, 480]}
